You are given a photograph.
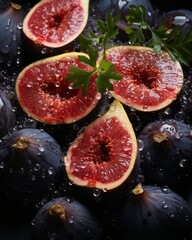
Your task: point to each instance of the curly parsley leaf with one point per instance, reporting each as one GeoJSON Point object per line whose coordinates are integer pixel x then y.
{"type": "Point", "coordinates": [104, 70]}
{"type": "Point", "coordinates": [175, 41]}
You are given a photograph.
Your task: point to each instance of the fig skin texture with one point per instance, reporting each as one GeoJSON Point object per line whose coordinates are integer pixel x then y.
{"type": "Point", "coordinates": [44, 93]}
{"type": "Point", "coordinates": [150, 81]}
{"type": "Point", "coordinates": [154, 213]}
{"type": "Point", "coordinates": [52, 25]}
{"type": "Point", "coordinates": [12, 56]}
{"type": "Point", "coordinates": [65, 218]}
{"type": "Point", "coordinates": [31, 166]}
{"type": "Point", "coordinates": [166, 154]}
{"type": "Point", "coordinates": [7, 115]}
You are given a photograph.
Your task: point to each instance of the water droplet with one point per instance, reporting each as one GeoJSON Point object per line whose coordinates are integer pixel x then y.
{"type": "Point", "coordinates": [20, 25]}
{"type": "Point", "coordinates": [37, 167]}
{"type": "Point", "coordinates": [71, 219]}
{"type": "Point", "coordinates": [41, 148]}
{"type": "Point", "coordinates": [96, 192]}
{"type": "Point", "coordinates": [165, 205]}
{"type": "Point", "coordinates": [180, 20]}
{"type": "Point", "coordinates": [29, 85]}
{"type": "Point", "coordinates": [44, 50]}
{"type": "Point", "coordinates": [183, 163]}
{"type": "Point", "coordinates": [33, 177]}
{"type": "Point", "coordinates": [21, 170]}
{"type": "Point", "coordinates": [105, 190]}
{"type": "Point", "coordinates": [140, 145]}
{"type": "Point", "coordinates": [50, 171]}
{"type": "Point", "coordinates": [1, 165]}
{"type": "Point", "coordinates": [30, 123]}
{"type": "Point", "coordinates": [145, 108]}
{"type": "Point", "coordinates": [166, 189]}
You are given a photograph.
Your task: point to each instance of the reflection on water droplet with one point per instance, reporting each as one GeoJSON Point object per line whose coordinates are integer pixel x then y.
{"type": "Point", "coordinates": [30, 123]}
{"type": "Point", "coordinates": [71, 219]}
{"type": "Point", "coordinates": [140, 144]}
{"type": "Point", "coordinates": [44, 50]}
{"type": "Point", "coordinates": [41, 148]}
{"type": "Point", "coordinates": [33, 177]}
{"type": "Point", "coordinates": [50, 171]}
{"type": "Point", "coordinates": [183, 163]}
{"type": "Point", "coordinates": [164, 205]}
{"type": "Point", "coordinates": [20, 25]}
{"type": "Point", "coordinates": [166, 189]}
{"type": "Point", "coordinates": [96, 192]}
{"type": "Point", "coordinates": [1, 165]}
{"type": "Point", "coordinates": [29, 85]}
{"type": "Point", "coordinates": [37, 167]}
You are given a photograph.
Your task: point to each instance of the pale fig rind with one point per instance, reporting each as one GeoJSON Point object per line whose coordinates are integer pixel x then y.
{"type": "Point", "coordinates": [150, 81]}
{"type": "Point", "coordinates": [104, 155]}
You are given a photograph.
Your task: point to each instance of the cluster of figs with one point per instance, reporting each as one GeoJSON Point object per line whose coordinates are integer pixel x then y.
{"type": "Point", "coordinates": [95, 166]}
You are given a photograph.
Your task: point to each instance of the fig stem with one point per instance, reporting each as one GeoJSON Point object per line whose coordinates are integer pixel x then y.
{"type": "Point", "coordinates": [57, 210]}
{"type": "Point", "coordinates": [160, 137]}
{"type": "Point", "coordinates": [16, 6]}
{"type": "Point", "coordinates": [21, 143]}
{"type": "Point", "coordinates": [138, 189]}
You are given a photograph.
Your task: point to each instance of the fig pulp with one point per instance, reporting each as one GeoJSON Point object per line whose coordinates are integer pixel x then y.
{"type": "Point", "coordinates": [54, 24]}
{"type": "Point", "coordinates": [65, 218]}
{"type": "Point", "coordinates": [154, 213]}
{"type": "Point", "coordinates": [166, 154]}
{"type": "Point", "coordinates": [150, 81]}
{"type": "Point", "coordinates": [45, 95]}
{"type": "Point", "coordinates": [104, 154]}
{"type": "Point", "coordinates": [31, 166]}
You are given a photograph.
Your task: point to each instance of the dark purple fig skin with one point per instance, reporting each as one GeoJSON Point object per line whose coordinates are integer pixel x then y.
{"type": "Point", "coordinates": [7, 115]}
{"type": "Point", "coordinates": [157, 213]}
{"type": "Point", "coordinates": [11, 37]}
{"type": "Point", "coordinates": [78, 222]}
{"type": "Point", "coordinates": [31, 166]}
{"type": "Point", "coordinates": [120, 7]}
{"type": "Point", "coordinates": [167, 160]}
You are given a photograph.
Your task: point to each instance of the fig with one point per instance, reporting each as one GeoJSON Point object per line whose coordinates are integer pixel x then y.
{"type": "Point", "coordinates": [65, 218]}
{"type": "Point", "coordinates": [150, 81]}
{"type": "Point", "coordinates": [52, 25]}
{"type": "Point", "coordinates": [31, 166]}
{"type": "Point", "coordinates": [104, 155]}
{"type": "Point", "coordinates": [120, 7]}
{"type": "Point", "coordinates": [7, 115]}
{"type": "Point", "coordinates": [157, 213]}
{"type": "Point", "coordinates": [166, 153]}
{"type": "Point", "coordinates": [178, 17]}
{"type": "Point", "coordinates": [11, 37]}
{"type": "Point", "coordinates": [44, 93]}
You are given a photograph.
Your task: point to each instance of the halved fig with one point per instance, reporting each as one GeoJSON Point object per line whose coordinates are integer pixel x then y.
{"type": "Point", "coordinates": [104, 154]}
{"type": "Point", "coordinates": [56, 23]}
{"type": "Point", "coordinates": [150, 81]}
{"type": "Point", "coordinates": [44, 93]}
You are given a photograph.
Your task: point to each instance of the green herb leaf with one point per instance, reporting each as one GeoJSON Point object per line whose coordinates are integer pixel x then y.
{"type": "Point", "coordinates": [80, 78]}
{"type": "Point", "coordinates": [105, 76]}
{"type": "Point", "coordinates": [177, 42]}
{"type": "Point", "coordinates": [90, 44]}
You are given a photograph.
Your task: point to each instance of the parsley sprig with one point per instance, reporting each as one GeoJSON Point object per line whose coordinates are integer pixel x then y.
{"type": "Point", "coordinates": [177, 42]}
{"type": "Point", "coordinates": [90, 44]}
